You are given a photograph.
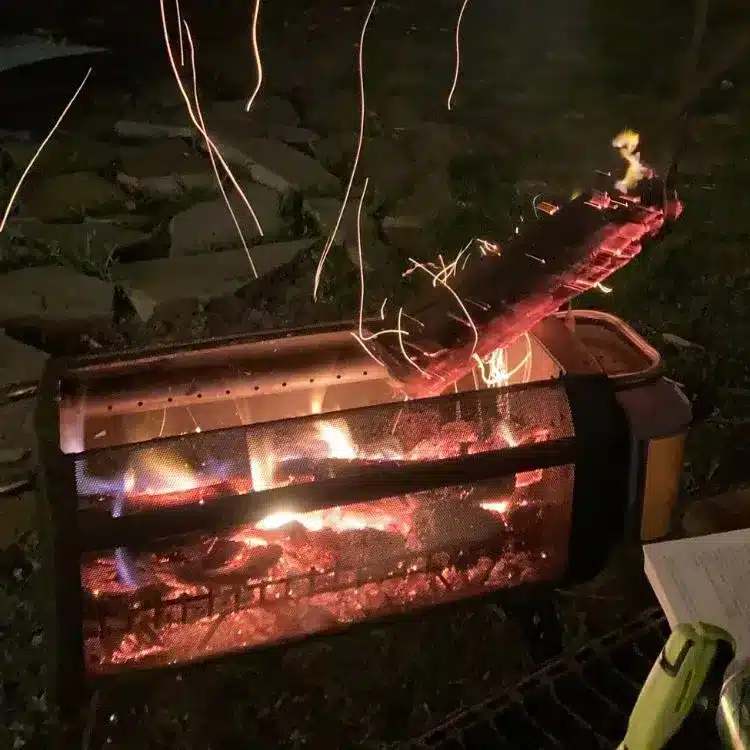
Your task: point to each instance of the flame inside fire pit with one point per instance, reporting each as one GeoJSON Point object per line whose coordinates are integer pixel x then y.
{"type": "Point", "coordinates": [290, 571]}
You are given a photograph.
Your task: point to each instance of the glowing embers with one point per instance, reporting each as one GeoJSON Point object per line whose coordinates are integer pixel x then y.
{"type": "Point", "coordinates": [321, 572]}
{"type": "Point", "coordinates": [284, 571]}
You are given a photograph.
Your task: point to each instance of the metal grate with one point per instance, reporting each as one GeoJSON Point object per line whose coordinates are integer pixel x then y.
{"type": "Point", "coordinates": [583, 701]}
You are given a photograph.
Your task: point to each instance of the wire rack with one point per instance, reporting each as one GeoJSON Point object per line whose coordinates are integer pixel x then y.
{"type": "Point", "coordinates": [224, 599]}
{"type": "Point", "coordinates": [583, 701]}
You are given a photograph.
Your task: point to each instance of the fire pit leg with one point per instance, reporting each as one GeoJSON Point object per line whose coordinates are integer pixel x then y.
{"type": "Point", "coordinates": [541, 626]}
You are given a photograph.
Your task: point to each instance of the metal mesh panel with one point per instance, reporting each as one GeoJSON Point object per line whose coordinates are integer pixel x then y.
{"type": "Point", "coordinates": [200, 465]}
{"type": "Point", "coordinates": [321, 571]}
{"type": "Point", "coordinates": [581, 702]}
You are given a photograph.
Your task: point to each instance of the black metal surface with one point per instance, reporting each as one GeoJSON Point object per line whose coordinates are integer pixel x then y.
{"type": "Point", "coordinates": [58, 536]}
{"type": "Point", "coordinates": [602, 465]}
{"type": "Point", "coordinates": [583, 701]}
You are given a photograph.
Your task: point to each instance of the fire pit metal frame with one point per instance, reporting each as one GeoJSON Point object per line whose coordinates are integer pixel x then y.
{"type": "Point", "coordinates": [598, 451]}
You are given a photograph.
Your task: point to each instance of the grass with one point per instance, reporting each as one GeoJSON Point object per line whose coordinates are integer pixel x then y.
{"type": "Point", "coordinates": [367, 688]}
{"type": "Point", "coordinates": [19, 251]}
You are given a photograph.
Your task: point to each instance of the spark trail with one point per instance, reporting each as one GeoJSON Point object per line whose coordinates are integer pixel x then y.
{"type": "Point", "coordinates": [210, 150]}
{"type": "Point", "coordinates": [457, 68]}
{"type": "Point", "coordinates": [181, 40]}
{"type": "Point", "coordinates": [357, 154]}
{"type": "Point", "coordinates": [361, 336]}
{"type": "Point", "coordinates": [197, 119]}
{"type": "Point", "coordinates": [29, 166]}
{"type": "Point", "coordinates": [256, 57]}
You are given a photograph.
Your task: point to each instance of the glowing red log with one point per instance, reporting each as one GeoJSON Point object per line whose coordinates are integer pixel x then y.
{"type": "Point", "coordinates": [555, 258]}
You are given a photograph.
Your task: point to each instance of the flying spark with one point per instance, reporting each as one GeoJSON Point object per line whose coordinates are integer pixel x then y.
{"type": "Point", "coordinates": [212, 152]}
{"type": "Point", "coordinates": [178, 12]}
{"type": "Point", "coordinates": [468, 321]}
{"type": "Point", "coordinates": [256, 56]}
{"type": "Point", "coordinates": [457, 67]}
{"type": "Point", "coordinates": [494, 370]}
{"type": "Point", "coordinates": [360, 336]}
{"type": "Point", "coordinates": [197, 120]}
{"type": "Point", "coordinates": [355, 164]}
{"type": "Point", "coordinates": [25, 173]}
{"type": "Point", "coordinates": [403, 348]}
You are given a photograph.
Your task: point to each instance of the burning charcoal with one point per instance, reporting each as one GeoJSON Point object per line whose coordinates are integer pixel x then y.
{"type": "Point", "coordinates": [304, 617]}
{"type": "Point", "coordinates": [220, 553]}
{"type": "Point", "coordinates": [530, 523]}
{"type": "Point", "coordinates": [304, 550]}
{"type": "Point", "coordinates": [292, 531]}
{"type": "Point", "coordinates": [445, 443]}
{"type": "Point", "coordinates": [120, 574]}
{"type": "Point", "coordinates": [497, 491]}
{"type": "Point", "coordinates": [372, 550]}
{"type": "Point", "coordinates": [448, 523]}
{"type": "Point", "coordinates": [562, 253]}
{"type": "Point", "coordinates": [414, 425]}
{"type": "Point", "coordinates": [230, 562]}
{"type": "Point", "coordinates": [121, 604]}
{"type": "Point", "coordinates": [191, 496]}
{"type": "Point", "coordinates": [387, 449]}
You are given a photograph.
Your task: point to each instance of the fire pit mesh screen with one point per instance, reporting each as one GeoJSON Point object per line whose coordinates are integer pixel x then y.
{"type": "Point", "coordinates": [278, 575]}
{"type": "Point", "coordinates": [577, 702]}
{"type": "Point", "coordinates": [198, 465]}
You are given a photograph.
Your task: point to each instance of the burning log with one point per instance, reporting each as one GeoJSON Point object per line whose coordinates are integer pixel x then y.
{"type": "Point", "coordinates": [369, 550]}
{"type": "Point", "coordinates": [146, 500]}
{"type": "Point", "coordinates": [446, 522]}
{"type": "Point", "coordinates": [333, 468]}
{"type": "Point", "coordinates": [492, 301]}
{"type": "Point", "coordinates": [231, 562]}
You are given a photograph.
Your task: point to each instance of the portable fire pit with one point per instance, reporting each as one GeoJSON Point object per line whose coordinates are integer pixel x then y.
{"type": "Point", "coordinates": [204, 500]}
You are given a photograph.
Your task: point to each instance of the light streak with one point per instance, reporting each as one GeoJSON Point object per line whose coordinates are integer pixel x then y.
{"type": "Point", "coordinates": [481, 305]}
{"type": "Point", "coordinates": [452, 268]}
{"type": "Point", "coordinates": [25, 173]}
{"type": "Point", "coordinates": [497, 372]}
{"type": "Point", "coordinates": [457, 67]}
{"type": "Point", "coordinates": [358, 152]}
{"type": "Point", "coordinates": [361, 260]}
{"type": "Point", "coordinates": [210, 150]}
{"type": "Point", "coordinates": [534, 201]}
{"type": "Point", "coordinates": [488, 248]}
{"type": "Point", "coordinates": [196, 120]}
{"type": "Point", "coordinates": [256, 56]}
{"type": "Point", "coordinates": [360, 336]}
{"type": "Point", "coordinates": [403, 348]}
{"type": "Point", "coordinates": [469, 320]}
{"type": "Point", "coordinates": [178, 12]}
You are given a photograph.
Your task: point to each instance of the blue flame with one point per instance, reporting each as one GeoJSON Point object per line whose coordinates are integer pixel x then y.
{"type": "Point", "coordinates": [127, 570]}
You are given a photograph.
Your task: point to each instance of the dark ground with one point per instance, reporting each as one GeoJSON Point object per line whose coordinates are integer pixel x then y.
{"type": "Point", "coordinates": [544, 86]}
